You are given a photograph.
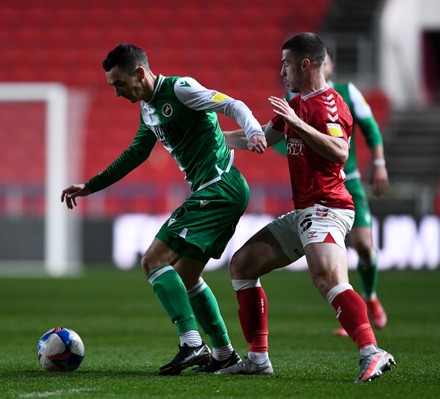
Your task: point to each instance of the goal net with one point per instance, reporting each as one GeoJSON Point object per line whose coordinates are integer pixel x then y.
{"type": "Point", "coordinates": [40, 131]}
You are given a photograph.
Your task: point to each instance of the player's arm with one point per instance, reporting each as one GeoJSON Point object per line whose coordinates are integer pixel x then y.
{"type": "Point", "coordinates": [195, 96]}
{"type": "Point", "coordinates": [133, 156]}
{"type": "Point", "coordinates": [373, 137]}
{"type": "Point", "coordinates": [333, 148]}
{"type": "Point", "coordinates": [237, 139]}
{"type": "Point", "coordinates": [379, 178]}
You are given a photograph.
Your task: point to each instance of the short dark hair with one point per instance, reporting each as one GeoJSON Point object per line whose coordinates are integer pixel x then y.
{"type": "Point", "coordinates": [127, 56]}
{"type": "Point", "coordinates": [307, 45]}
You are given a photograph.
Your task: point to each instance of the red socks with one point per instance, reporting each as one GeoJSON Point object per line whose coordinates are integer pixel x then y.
{"type": "Point", "coordinates": [351, 312]}
{"type": "Point", "coordinates": [253, 317]}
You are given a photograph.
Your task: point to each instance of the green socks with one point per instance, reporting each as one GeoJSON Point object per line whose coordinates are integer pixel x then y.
{"type": "Point", "coordinates": [208, 315]}
{"type": "Point", "coordinates": [183, 308]}
{"type": "Point", "coordinates": [171, 292]}
{"type": "Point", "coordinates": [368, 272]}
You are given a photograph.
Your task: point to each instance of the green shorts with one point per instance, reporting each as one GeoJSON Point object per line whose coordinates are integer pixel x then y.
{"type": "Point", "coordinates": [203, 225]}
{"type": "Point", "coordinates": [362, 217]}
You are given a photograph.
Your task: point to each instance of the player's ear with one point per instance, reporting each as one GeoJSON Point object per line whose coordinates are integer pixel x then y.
{"type": "Point", "coordinates": [305, 63]}
{"type": "Point", "coordinates": [140, 72]}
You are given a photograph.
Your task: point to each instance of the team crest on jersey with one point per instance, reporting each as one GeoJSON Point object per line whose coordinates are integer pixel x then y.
{"type": "Point", "coordinates": [167, 110]}
{"type": "Point", "coordinates": [335, 129]}
{"type": "Point", "coordinates": [218, 97]}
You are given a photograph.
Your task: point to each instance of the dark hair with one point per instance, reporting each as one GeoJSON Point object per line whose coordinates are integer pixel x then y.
{"type": "Point", "coordinates": [307, 45]}
{"type": "Point", "coordinates": [127, 56]}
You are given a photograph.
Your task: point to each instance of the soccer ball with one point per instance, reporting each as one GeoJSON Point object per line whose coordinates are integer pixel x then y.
{"type": "Point", "coordinates": [60, 349]}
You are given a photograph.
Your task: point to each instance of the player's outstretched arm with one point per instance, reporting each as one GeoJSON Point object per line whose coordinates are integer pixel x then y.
{"type": "Point", "coordinates": [70, 193]}
{"type": "Point", "coordinates": [257, 143]}
{"type": "Point", "coordinates": [237, 139]}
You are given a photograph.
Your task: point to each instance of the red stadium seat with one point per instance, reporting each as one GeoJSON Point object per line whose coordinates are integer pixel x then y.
{"type": "Point", "coordinates": [229, 46]}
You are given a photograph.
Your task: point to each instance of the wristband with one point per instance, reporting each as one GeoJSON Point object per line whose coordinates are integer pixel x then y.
{"type": "Point", "coordinates": [379, 162]}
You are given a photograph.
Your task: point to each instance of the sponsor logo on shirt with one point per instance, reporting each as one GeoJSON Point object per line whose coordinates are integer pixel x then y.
{"type": "Point", "coordinates": [167, 110]}
{"type": "Point", "coordinates": [218, 97]}
{"type": "Point", "coordinates": [335, 129]}
{"type": "Point", "coordinates": [295, 146]}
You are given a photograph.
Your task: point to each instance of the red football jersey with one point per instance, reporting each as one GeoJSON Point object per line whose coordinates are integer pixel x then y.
{"type": "Point", "coordinates": [314, 178]}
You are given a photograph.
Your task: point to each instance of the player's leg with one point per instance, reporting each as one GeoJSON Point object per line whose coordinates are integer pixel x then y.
{"type": "Point", "coordinates": [328, 267]}
{"type": "Point", "coordinates": [202, 227]}
{"type": "Point", "coordinates": [171, 292]}
{"type": "Point", "coordinates": [261, 254]}
{"type": "Point", "coordinates": [208, 315]}
{"type": "Point", "coordinates": [327, 261]}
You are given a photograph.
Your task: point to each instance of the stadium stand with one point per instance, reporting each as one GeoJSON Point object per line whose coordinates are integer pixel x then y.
{"type": "Point", "coordinates": [231, 46]}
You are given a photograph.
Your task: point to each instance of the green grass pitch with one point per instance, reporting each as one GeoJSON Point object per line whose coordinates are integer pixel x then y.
{"type": "Point", "coordinates": [128, 336]}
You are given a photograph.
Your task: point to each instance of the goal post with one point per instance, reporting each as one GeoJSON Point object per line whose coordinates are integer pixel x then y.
{"type": "Point", "coordinates": [62, 252]}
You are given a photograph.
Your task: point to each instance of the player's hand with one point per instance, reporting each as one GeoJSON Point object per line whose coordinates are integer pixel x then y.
{"type": "Point", "coordinates": [379, 180]}
{"type": "Point", "coordinates": [282, 108]}
{"type": "Point", "coordinates": [70, 193]}
{"type": "Point", "coordinates": [257, 143]}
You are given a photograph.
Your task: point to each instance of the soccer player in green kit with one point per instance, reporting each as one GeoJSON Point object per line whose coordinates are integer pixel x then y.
{"type": "Point", "coordinates": [181, 113]}
{"type": "Point", "coordinates": [360, 237]}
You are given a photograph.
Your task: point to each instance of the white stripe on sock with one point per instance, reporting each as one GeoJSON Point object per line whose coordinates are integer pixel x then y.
{"type": "Point", "coordinates": [197, 289]}
{"type": "Point", "coordinates": [159, 272]}
{"type": "Point", "coordinates": [336, 290]}
{"type": "Point", "coordinates": [245, 284]}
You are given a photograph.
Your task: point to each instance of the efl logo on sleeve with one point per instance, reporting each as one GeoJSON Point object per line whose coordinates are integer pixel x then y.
{"type": "Point", "coordinates": [218, 97]}
{"type": "Point", "coordinates": [335, 129]}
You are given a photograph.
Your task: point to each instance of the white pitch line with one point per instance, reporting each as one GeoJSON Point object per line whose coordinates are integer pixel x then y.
{"type": "Point", "coordinates": [58, 392]}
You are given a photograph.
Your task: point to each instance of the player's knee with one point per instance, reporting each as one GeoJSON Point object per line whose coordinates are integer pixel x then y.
{"type": "Point", "coordinates": [321, 285]}
{"type": "Point", "coordinates": [323, 282]}
{"type": "Point", "coordinates": [242, 265]}
{"type": "Point", "coordinates": [146, 265]}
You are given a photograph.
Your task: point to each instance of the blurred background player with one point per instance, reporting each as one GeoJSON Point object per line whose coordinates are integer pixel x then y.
{"type": "Point", "coordinates": [360, 238]}
{"type": "Point", "coordinates": [181, 114]}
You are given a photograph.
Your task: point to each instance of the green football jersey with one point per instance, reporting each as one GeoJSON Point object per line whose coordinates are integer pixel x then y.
{"type": "Point", "coordinates": [182, 115]}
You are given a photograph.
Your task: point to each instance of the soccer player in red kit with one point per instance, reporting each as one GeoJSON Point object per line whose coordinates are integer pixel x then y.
{"type": "Point", "coordinates": [316, 126]}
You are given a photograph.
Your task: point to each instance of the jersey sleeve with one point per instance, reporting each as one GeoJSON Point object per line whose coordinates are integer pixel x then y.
{"type": "Point", "coordinates": [277, 123]}
{"type": "Point", "coordinates": [199, 98]}
{"type": "Point", "coordinates": [331, 116]}
{"type": "Point", "coordinates": [361, 109]}
{"type": "Point", "coordinates": [132, 157]}
{"type": "Point", "coordinates": [364, 117]}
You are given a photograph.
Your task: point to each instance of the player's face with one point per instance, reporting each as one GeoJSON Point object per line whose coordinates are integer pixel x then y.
{"type": "Point", "coordinates": [126, 85]}
{"type": "Point", "coordinates": [290, 71]}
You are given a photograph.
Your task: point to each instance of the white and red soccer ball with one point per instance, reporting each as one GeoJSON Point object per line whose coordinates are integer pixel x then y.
{"type": "Point", "coordinates": [60, 349]}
